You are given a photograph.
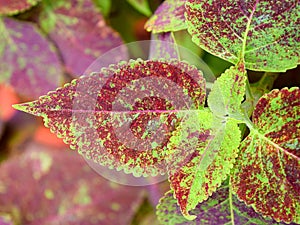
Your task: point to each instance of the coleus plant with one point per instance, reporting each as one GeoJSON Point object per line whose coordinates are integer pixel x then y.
{"type": "Point", "coordinates": [217, 171]}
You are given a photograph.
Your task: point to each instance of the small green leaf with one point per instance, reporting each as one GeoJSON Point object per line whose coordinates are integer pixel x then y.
{"type": "Point", "coordinates": [142, 6]}
{"type": "Point", "coordinates": [204, 150]}
{"type": "Point", "coordinates": [228, 93]}
{"type": "Point", "coordinates": [267, 173]}
{"type": "Point", "coordinates": [263, 33]}
{"type": "Point", "coordinates": [168, 17]}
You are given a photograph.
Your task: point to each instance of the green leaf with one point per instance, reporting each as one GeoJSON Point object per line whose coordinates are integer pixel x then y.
{"type": "Point", "coordinates": [215, 210]}
{"type": "Point", "coordinates": [142, 6]}
{"type": "Point", "coordinates": [267, 173]}
{"type": "Point", "coordinates": [123, 116]}
{"type": "Point", "coordinates": [11, 7]}
{"type": "Point", "coordinates": [228, 93]}
{"type": "Point", "coordinates": [204, 150]}
{"type": "Point", "coordinates": [104, 6]}
{"type": "Point", "coordinates": [169, 16]}
{"type": "Point", "coordinates": [264, 34]}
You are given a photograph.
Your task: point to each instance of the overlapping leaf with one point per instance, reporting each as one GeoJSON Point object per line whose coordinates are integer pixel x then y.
{"type": "Point", "coordinates": [163, 46]}
{"type": "Point", "coordinates": [168, 17]}
{"type": "Point", "coordinates": [81, 34]}
{"type": "Point", "coordinates": [205, 145]}
{"type": "Point", "coordinates": [267, 172]}
{"type": "Point", "coordinates": [46, 186]}
{"type": "Point", "coordinates": [216, 210]}
{"type": "Point", "coordinates": [265, 33]}
{"type": "Point", "coordinates": [10, 7]}
{"type": "Point", "coordinates": [123, 116]}
{"type": "Point", "coordinates": [205, 148]}
{"type": "Point", "coordinates": [228, 92]}
{"type": "Point", "coordinates": [32, 69]}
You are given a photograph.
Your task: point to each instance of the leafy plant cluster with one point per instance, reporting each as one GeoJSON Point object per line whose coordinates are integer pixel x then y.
{"type": "Point", "coordinates": [233, 156]}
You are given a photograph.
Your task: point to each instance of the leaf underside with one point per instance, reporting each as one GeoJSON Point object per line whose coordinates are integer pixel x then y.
{"type": "Point", "coordinates": [267, 173]}
{"type": "Point", "coordinates": [266, 35]}
{"type": "Point", "coordinates": [123, 116]}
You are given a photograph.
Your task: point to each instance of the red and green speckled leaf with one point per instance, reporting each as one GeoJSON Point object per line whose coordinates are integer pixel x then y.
{"type": "Point", "coordinates": [267, 173]}
{"type": "Point", "coordinates": [264, 33]}
{"type": "Point", "coordinates": [228, 92]}
{"type": "Point", "coordinates": [81, 34]}
{"type": "Point", "coordinates": [31, 67]}
{"type": "Point", "coordinates": [62, 189]}
{"type": "Point", "coordinates": [10, 7]}
{"type": "Point", "coordinates": [204, 151]}
{"type": "Point", "coordinates": [123, 116]}
{"type": "Point", "coordinates": [215, 210]}
{"type": "Point", "coordinates": [142, 6]}
{"type": "Point", "coordinates": [168, 17]}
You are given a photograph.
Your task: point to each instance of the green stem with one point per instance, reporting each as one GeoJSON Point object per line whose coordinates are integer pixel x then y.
{"type": "Point", "coordinates": [230, 203]}
{"type": "Point", "coordinates": [267, 81]}
{"type": "Point", "coordinates": [249, 95]}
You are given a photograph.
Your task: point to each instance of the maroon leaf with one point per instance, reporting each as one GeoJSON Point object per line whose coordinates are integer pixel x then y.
{"type": "Point", "coordinates": [48, 186]}
{"type": "Point", "coordinates": [123, 116]}
{"type": "Point", "coordinates": [28, 61]}
{"type": "Point", "coordinates": [9, 7]}
{"type": "Point", "coordinates": [81, 34]}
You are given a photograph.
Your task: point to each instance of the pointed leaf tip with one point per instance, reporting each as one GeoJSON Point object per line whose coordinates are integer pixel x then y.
{"type": "Point", "coordinates": [28, 107]}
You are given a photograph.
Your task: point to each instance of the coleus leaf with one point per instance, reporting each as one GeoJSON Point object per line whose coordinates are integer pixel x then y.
{"type": "Point", "coordinates": [61, 189]}
{"type": "Point", "coordinates": [123, 116]}
{"type": "Point", "coordinates": [169, 16]}
{"type": "Point", "coordinates": [32, 68]}
{"type": "Point", "coordinates": [10, 7]}
{"type": "Point", "coordinates": [204, 150]}
{"type": "Point", "coordinates": [142, 6]}
{"type": "Point", "coordinates": [80, 32]}
{"type": "Point", "coordinates": [209, 140]}
{"type": "Point", "coordinates": [267, 173]}
{"type": "Point", "coordinates": [264, 34]}
{"type": "Point", "coordinates": [163, 46]}
{"type": "Point", "coordinates": [215, 210]}
{"type": "Point", "coordinates": [228, 93]}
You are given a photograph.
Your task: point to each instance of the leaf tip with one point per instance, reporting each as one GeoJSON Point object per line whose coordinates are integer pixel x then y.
{"type": "Point", "coordinates": [189, 217]}
{"type": "Point", "coordinates": [27, 108]}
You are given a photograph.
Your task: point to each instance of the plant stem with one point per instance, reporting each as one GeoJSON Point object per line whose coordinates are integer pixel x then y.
{"type": "Point", "coordinates": [230, 203]}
